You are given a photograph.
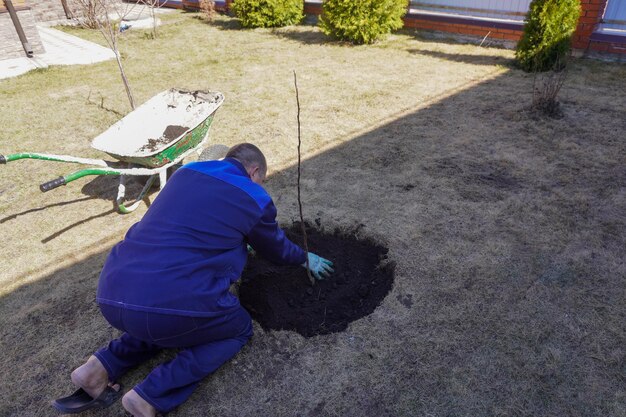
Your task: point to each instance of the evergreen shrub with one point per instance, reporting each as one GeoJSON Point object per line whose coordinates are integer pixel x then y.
{"type": "Point", "coordinates": [547, 37]}
{"type": "Point", "coordinates": [268, 13]}
{"type": "Point", "coordinates": [361, 21]}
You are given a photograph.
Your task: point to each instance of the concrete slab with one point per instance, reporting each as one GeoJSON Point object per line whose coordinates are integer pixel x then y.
{"type": "Point", "coordinates": [18, 66]}
{"type": "Point", "coordinates": [65, 49]}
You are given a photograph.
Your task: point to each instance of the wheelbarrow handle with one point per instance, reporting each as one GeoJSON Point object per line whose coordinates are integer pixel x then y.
{"type": "Point", "coordinates": [3, 159]}
{"type": "Point", "coordinates": [51, 185]}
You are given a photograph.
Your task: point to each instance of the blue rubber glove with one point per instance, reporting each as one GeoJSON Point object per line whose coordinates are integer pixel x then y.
{"type": "Point", "coordinates": [320, 267]}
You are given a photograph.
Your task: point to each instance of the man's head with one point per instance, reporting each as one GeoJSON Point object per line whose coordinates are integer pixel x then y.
{"type": "Point", "coordinates": [252, 159]}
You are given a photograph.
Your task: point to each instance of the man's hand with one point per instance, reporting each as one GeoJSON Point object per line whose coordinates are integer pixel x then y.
{"type": "Point", "coordinates": [320, 267]}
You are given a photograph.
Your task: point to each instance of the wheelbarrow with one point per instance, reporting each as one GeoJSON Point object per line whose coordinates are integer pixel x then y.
{"type": "Point", "coordinates": [148, 141]}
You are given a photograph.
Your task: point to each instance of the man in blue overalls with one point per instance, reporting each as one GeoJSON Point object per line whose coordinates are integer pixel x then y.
{"type": "Point", "coordinates": [166, 285]}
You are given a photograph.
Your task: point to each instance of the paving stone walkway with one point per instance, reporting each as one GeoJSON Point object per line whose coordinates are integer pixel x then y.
{"type": "Point", "coordinates": [61, 49]}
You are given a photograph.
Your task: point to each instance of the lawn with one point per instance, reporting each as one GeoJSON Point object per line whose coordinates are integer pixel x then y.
{"type": "Point", "coordinates": [507, 228]}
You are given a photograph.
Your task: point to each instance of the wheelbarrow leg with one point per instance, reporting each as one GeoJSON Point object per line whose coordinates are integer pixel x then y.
{"type": "Point", "coordinates": [162, 178]}
{"type": "Point", "coordinates": [121, 191]}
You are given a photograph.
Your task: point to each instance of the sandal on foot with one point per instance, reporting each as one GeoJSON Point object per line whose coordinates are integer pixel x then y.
{"type": "Point", "coordinates": [81, 401]}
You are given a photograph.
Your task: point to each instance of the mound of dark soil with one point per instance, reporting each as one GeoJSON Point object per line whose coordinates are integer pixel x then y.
{"type": "Point", "coordinates": [282, 297]}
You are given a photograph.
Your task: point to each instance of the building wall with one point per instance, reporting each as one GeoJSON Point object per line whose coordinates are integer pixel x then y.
{"type": "Point", "coordinates": [585, 41]}
{"type": "Point", "coordinates": [482, 29]}
{"type": "Point", "coordinates": [590, 16]}
{"type": "Point", "coordinates": [614, 47]}
{"type": "Point", "coordinates": [10, 44]}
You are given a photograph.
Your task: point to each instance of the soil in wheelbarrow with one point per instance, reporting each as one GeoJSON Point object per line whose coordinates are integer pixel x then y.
{"type": "Point", "coordinates": [170, 133]}
{"type": "Point", "coordinates": [282, 297]}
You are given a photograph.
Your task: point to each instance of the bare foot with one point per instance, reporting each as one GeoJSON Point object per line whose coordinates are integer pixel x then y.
{"type": "Point", "coordinates": [137, 406]}
{"type": "Point", "coordinates": [91, 376]}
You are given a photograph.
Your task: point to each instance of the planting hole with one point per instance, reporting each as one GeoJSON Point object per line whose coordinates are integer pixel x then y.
{"type": "Point", "coordinates": [282, 297]}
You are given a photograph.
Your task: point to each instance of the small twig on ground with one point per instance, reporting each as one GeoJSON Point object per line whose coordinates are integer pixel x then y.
{"type": "Point", "coordinates": [101, 105]}
{"type": "Point", "coordinates": [306, 246]}
{"type": "Point", "coordinates": [484, 39]}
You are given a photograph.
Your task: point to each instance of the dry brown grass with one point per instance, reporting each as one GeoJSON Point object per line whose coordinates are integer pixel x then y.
{"type": "Point", "coordinates": [507, 229]}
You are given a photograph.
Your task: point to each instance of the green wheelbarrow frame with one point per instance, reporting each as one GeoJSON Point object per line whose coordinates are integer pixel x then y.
{"type": "Point", "coordinates": [153, 164]}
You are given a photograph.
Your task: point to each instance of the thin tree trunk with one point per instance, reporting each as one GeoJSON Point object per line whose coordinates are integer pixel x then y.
{"type": "Point", "coordinates": [125, 80]}
{"type": "Point", "coordinates": [154, 25]}
{"type": "Point", "coordinates": [306, 246]}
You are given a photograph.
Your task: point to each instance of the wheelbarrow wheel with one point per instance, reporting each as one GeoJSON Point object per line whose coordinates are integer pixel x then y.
{"type": "Point", "coordinates": [213, 152]}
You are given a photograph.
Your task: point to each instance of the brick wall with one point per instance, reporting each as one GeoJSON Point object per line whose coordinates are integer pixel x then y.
{"type": "Point", "coordinates": [194, 5]}
{"type": "Point", "coordinates": [615, 45]}
{"type": "Point", "coordinates": [502, 31]}
{"type": "Point", "coordinates": [10, 44]}
{"type": "Point", "coordinates": [312, 8]}
{"type": "Point", "coordinates": [591, 12]}
{"type": "Point", "coordinates": [16, 3]}
{"type": "Point", "coordinates": [47, 10]}
{"type": "Point", "coordinates": [584, 40]}
{"type": "Point", "coordinates": [472, 27]}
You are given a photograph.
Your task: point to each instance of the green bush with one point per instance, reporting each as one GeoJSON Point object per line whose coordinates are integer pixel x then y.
{"type": "Point", "coordinates": [547, 37]}
{"type": "Point", "coordinates": [361, 21]}
{"type": "Point", "coordinates": [268, 13]}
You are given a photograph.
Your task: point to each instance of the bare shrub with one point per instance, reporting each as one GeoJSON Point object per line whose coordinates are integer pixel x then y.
{"type": "Point", "coordinates": [546, 88]}
{"type": "Point", "coordinates": [87, 12]}
{"type": "Point", "coordinates": [106, 16]}
{"type": "Point", "coordinates": [153, 6]}
{"type": "Point", "coordinates": [111, 31]}
{"type": "Point", "coordinates": [207, 7]}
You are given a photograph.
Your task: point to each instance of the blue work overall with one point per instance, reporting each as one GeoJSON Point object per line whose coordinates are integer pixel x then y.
{"type": "Point", "coordinates": [166, 285]}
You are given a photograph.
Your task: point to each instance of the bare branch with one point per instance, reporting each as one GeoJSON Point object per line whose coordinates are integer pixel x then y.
{"type": "Point", "coordinates": [153, 6]}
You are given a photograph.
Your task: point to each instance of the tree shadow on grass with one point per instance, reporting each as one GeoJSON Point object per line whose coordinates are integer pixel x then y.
{"type": "Point", "coordinates": [100, 188]}
{"type": "Point", "coordinates": [48, 206]}
{"type": "Point", "coordinates": [488, 60]}
{"type": "Point", "coordinates": [307, 37]}
{"type": "Point", "coordinates": [104, 187]}
{"type": "Point", "coordinates": [226, 24]}
{"type": "Point", "coordinates": [295, 33]}
{"type": "Point", "coordinates": [503, 240]}
{"type": "Point", "coordinates": [450, 38]}
{"type": "Point", "coordinates": [76, 224]}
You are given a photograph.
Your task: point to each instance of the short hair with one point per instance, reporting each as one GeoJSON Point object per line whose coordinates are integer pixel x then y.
{"type": "Point", "coordinates": [248, 155]}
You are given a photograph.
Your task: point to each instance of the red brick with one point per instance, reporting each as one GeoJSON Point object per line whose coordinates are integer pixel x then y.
{"type": "Point", "coordinates": [588, 19]}
{"type": "Point", "coordinates": [600, 47]}
{"type": "Point", "coordinates": [510, 37]}
{"type": "Point", "coordinates": [585, 30]}
{"type": "Point", "coordinates": [592, 7]}
{"type": "Point", "coordinates": [617, 49]}
{"type": "Point", "coordinates": [592, 13]}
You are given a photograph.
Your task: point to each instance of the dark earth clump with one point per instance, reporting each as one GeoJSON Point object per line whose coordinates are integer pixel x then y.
{"type": "Point", "coordinates": [169, 134]}
{"type": "Point", "coordinates": [282, 297]}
